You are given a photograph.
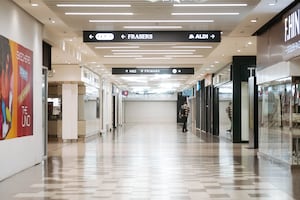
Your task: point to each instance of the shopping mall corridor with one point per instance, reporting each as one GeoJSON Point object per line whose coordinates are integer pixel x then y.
{"type": "Point", "coordinates": [149, 162]}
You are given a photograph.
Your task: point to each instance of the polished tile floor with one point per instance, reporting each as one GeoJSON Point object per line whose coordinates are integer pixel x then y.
{"type": "Point", "coordinates": [149, 162]}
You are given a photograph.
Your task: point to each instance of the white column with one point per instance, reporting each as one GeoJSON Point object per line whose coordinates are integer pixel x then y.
{"type": "Point", "coordinates": [69, 111]}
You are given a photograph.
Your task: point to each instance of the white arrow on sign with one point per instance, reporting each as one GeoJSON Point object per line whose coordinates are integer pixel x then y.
{"type": "Point", "coordinates": [123, 36]}
{"type": "Point", "coordinates": [213, 36]}
{"type": "Point", "coordinates": [91, 36]}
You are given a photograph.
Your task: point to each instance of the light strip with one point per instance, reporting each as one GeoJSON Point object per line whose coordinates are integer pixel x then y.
{"type": "Point", "coordinates": [151, 21]}
{"type": "Point", "coordinates": [192, 47]}
{"type": "Point", "coordinates": [118, 47]}
{"type": "Point", "coordinates": [154, 58]}
{"type": "Point", "coordinates": [187, 50]}
{"type": "Point", "coordinates": [212, 5]}
{"type": "Point", "coordinates": [95, 5]}
{"type": "Point", "coordinates": [213, 14]}
{"type": "Point", "coordinates": [184, 56]}
{"type": "Point", "coordinates": [81, 14]}
{"type": "Point", "coordinates": [152, 27]}
{"type": "Point", "coordinates": [122, 56]}
{"type": "Point", "coordinates": [154, 53]}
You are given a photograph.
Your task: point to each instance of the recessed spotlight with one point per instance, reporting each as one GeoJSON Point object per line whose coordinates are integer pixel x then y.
{"type": "Point", "coordinates": [238, 50]}
{"type": "Point", "coordinates": [253, 20]}
{"type": "Point", "coordinates": [250, 43]}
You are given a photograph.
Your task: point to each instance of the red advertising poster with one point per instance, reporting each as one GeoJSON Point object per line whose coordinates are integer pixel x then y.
{"type": "Point", "coordinates": [16, 95]}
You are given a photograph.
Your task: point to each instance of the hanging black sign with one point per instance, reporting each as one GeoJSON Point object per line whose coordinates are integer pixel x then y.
{"type": "Point", "coordinates": [144, 71]}
{"type": "Point", "coordinates": [151, 36]}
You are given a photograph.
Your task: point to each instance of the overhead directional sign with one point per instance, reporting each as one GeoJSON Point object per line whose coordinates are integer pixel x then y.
{"type": "Point", "coordinates": [151, 36]}
{"type": "Point", "coordinates": [144, 71]}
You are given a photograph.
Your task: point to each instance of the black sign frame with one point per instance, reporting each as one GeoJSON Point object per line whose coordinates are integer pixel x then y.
{"type": "Point", "coordinates": [151, 71]}
{"type": "Point", "coordinates": [151, 36]}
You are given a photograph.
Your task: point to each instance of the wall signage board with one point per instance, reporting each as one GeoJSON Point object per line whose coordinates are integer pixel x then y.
{"type": "Point", "coordinates": [16, 90]}
{"type": "Point", "coordinates": [145, 71]}
{"type": "Point", "coordinates": [151, 36]}
{"type": "Point", "coordinates": [292, 33]}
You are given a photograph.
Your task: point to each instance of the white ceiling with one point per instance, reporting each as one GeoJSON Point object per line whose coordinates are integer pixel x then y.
{"type": "Point", "coordinates": [66, 34]}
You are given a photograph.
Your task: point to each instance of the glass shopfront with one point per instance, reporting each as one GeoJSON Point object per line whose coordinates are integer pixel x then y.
{"type": "Point", "coordinates": [279, 120]}
{"type": "Point", "coordinates": [225, 110]}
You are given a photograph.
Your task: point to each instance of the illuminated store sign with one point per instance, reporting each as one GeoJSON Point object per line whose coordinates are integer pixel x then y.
{"type": "Point", "coordinates": [144, 71]}
{"type": "Point", "coordinates": [292, 26]}
{"type": "Point", "coordinates": [152, 36]}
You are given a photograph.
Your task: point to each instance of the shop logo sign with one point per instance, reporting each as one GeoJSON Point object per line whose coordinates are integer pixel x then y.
{"type": "Point", "coordinates": [292, 26]}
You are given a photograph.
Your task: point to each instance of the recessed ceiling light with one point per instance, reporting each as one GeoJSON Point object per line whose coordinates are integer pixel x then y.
{"type": "Point", "coordinates": [152, 21]}
{"type": "Point", "coordinates": [238, 50]}
{"type": "Point", "coordinates": [185, 56]}
{"type": "Point", "coordinates": [212, 14]}
{"type": "Point", "coordinates": [192, 47]}
{"type": "Point", "coordinates": [81, 13]}
{"type": "Point", "coordinates": [95, 5]}
{"type": "Point", "coordinates": [154, 58]}
{"type": "Point", "coordinates": [212, 5]}
{"type": "Point", "coordinates": [34, 4]}
{"type": "Point", "coordinates": [117, 47]}
{"type": "Point", "coordinates": [250, 43]}
{"type": "Point", "coordinates": [155, 53]}
{"type": "Point", "coordinates": [253, 20]}
{"type": "Point", "coordinates": [156, 50]}
{"type": "Point", "coordinates": [122, 56]}
{"type": "Point", "coordinates": [152, 27]}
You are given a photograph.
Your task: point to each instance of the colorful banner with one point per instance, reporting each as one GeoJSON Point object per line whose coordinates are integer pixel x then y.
{"type": "Point", "coordinates": [16, 95]}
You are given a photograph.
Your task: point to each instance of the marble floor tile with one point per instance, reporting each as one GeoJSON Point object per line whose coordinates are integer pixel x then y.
{"type": "Point", "coordinates": [152, 162]}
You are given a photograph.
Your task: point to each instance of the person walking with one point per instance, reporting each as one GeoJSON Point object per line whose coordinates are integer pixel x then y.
{"type": "Point", "coordinates": [185, 109]}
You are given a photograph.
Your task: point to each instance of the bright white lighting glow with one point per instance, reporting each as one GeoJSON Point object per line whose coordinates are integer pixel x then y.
{"type": "Point", "coordinates": [117, 47]}
{"type": "Point", "coordinates": [78, 13]}
{"type": "Point", "coordinates": [152, 27]}
{"type": "Point", "coordinates": [192, 47]}
{"type": "Point", "coordinates": [152, 21]}
{"type": "Point", "coordinates": [122, 56]}
{"type": "Point", "coordinates": [185, 56]}
{"type": "Point", "coordinates": [154, 58]}
{"type": "Point", "coordinates": [134, 79]}
{"type": "Point", "coordinates": [130, 50]}
{"type": "Point", "coordinates": [212, 5]}
{"type": "Point", "coordinates": [154, 53]}
{"type": "Point", "coordinates": [95, 5]}
{"type": "Point", "coordinates": [213, 14]}
{"type": "Point", "coordinates": [34, 5]}
{"type": "Point", "coordinates": [169, 85]}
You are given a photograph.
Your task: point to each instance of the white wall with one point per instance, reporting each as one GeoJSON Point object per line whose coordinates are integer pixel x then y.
{"type": "Point", "coordinates": [21, 153]}
{"type": "Point", "coordinates": [150, 111]}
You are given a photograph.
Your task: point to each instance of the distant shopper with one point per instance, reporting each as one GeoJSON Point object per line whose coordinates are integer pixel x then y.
{"type": "Point", "coordinates": [229, 113]}
{"type": "Point", "coordinates": [184, 113]}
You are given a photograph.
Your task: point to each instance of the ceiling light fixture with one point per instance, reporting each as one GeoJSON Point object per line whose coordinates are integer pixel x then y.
{"type": "Point", "coordinates": [212, 5]}
{"type": "Point", "coordinates": [152, 21]}
{"type": "Point", "coordinates": [95, 5]}
{"type": "Point", "coordinates": [184, 56]}
{"type": "Point", "coordinates": [152, 27]}
{"type": "Point", "coordinates": [122, 56]}
{"type": "Point", "coordinates": [213, 14]}
{"type": "Point", "coordinates": [155, 53]}
{"type": "Point", "coordinates": [154, 58]}
{"type": "Point", "coordinates": [78, 13]}
{"type": "Point", "coordinates": [117, 47]}
{"type": "Point", "coordinates": [192, 47]}
{"type": "Point", "coordinates": [131, 50]}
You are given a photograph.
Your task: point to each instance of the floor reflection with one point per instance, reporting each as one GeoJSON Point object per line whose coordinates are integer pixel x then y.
{"type": "Point", "coordinates": [152, 161]}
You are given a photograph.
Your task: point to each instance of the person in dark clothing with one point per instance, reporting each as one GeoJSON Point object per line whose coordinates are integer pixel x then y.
{"type": "Point", "coordinates": [229, 113]}
{"type": "Point", "coordinates": [184, 115]}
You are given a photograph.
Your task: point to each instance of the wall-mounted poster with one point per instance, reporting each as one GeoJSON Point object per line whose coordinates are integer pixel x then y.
{"type": "Point", "coordinates": [16, 95]}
